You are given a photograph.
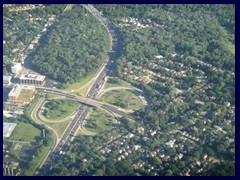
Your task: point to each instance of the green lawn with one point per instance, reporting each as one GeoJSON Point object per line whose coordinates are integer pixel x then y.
{"type": "Point", "coordinates": [59, 127]}
{"type": "Point", "coordinates": [15, 149]}
{"type": "Point", "coordinates": [32, 105]}
{"type": "Point", "coordinates": [79, 133]}
{"type": "Point", "coordinates": [99, 121]}
{"type": "Point", "coordinates": [57, 109]}
{"type": "Point", "coordinates": [37, 160]}
{"type": "Point", "coordinates": [79, 84]}
{"type": "Point", "coordinates": [122, 98]}
{"type": "Point", "coordinates": [83, 92]}
{"type": "Point", "coordinates": [51, 96]}
{"type": "Point", "coordinates": [25, 132]}
{"type": "Point", "coordinates": [116, 82]}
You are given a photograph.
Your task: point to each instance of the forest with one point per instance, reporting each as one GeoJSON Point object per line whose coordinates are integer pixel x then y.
{"type": "Point", "coordinates": [74, 48]}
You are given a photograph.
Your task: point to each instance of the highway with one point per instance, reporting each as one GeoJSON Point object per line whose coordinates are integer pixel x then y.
{"type": "Point", "coordinates": [86, 101]}
{"type": "Point", "coordinates": [82, 112]}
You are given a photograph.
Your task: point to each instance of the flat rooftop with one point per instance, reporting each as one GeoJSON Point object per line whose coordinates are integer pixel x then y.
{"type": "Point", "coordinates": [8, 128]}
{"type": "Point", "coordinates": [15, 90]}
{"type": "Point", "coordinates": [7, 78]}
{"type": "Point", "coordinates": [32, 77]}
{"type": "Point", "coordinates": [29, 87]}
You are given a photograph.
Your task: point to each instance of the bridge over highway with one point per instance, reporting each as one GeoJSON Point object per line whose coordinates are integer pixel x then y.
{"type": "Point", "coordinates": [87, 101]}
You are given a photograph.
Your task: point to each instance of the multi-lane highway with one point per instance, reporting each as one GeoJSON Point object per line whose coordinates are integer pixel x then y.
{"type": "Point", "coordinates": [82, 112]}
{"type": "Point", "coordinates": [86, 101]}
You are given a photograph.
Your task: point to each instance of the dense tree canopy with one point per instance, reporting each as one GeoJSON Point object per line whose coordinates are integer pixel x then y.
{"type": "Point", "coordinates": [75, 47]}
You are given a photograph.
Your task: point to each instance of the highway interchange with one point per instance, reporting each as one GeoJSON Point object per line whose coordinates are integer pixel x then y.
{"type": "Point", "coordinates": [108, 69]}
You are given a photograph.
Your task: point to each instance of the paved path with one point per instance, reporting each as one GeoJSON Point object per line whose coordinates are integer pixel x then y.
{"type": "Point", "coordinates": [34, 117]}
{"type": "Point", "coordinates": [14, 141]}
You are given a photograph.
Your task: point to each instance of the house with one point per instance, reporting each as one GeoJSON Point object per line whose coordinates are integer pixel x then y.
{"type": "Point", "coordinates": [227, 104]}
{"type": "Point", "coordinates": [180, 156]}
{"type": "Point", "coordinates": [198, 163]}
{"type": "Point", "coordinates": [36, 39]}
{"type": "Point", "coordinates": [159, 57]}
{"type": "Point", "coordinates": [152, 133]}
{"type": "Point", "coordinates": [136, 147]}
{"type": "Point", "coordinates": [31, 46]}
{"type": "Point", "coordinates": [141, 129]}
{"type": "Point", "coordinates": [205, 157]}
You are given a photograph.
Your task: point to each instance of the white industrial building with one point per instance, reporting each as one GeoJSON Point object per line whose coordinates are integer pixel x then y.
{"type": "Point", "coordinates": [8, 128]}
{"type": "Point", "coordinates": [16, 68]}
{"type": "Point", "coordinates": [32, 79]}
{"type": "Point", "coordinates": [7, 79]}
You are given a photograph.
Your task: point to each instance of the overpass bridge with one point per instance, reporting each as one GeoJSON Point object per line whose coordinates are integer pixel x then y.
{"type": "Point", "coordinates": [86, 101]}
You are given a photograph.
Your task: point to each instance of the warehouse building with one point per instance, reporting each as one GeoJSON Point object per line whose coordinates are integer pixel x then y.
{"type": "Point", "coordinates": [8, 128]}
{"type": "Point", "coordinates": [7, 79]}
{"type": "Point", "coordinates": [32, 79]}
{"type": "Point", "coordinates": [16, 68]}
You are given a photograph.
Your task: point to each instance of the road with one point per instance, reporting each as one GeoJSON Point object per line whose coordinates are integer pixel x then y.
{"type": "Point", "coordinates": [82, 112]}
{"type": "Point", "coordinates": [43, 118]}
{"type": "Point", "coordinates": [87, 101]}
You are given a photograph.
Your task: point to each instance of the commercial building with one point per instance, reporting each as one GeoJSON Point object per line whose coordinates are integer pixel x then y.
{"type": "Point", "coordinates": [32, 79]}
{"type": "Point", "coordinates": [7, 79]}
{"type": "Point", "coordinates": [14, 93]}
{"type": "Point", "coordinates": [11, 168]}
{"type": "Point", "coordinates": [21, 94]}
{"type": "Point", "coordinates": [8, 128]}
{"type": "Point", "coordinates": [16, 68]}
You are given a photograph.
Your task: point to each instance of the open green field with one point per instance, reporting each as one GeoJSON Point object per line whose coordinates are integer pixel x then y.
{"type": "Point", "coordinates": [116, 82]}
{"type": "Point", "coordinates": [57, 109]}
{"type": "Point", "coordinates": [99, 121]}
{"type": "Point", "coordinates": [122, 98]}
{"type": "Point", "coordinates": [83, 92]}
{"type": "Point", "coordinates": [25, 132]}
{"type": "Point", "coordinates": [58, 127]}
